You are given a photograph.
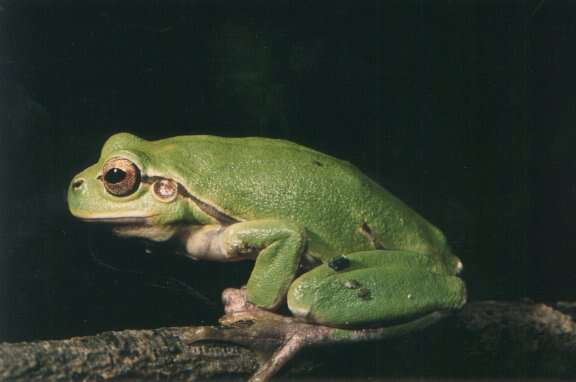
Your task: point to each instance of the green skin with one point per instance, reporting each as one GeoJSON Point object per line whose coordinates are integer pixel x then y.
{"type": "Point", "coordinates": [337, 247]}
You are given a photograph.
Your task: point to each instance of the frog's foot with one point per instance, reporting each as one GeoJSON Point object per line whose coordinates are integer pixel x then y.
{"type": "Point", "coordinates": [238, 309]}
{"type": "Point", "coordinates": [294, 335]}
{"type": "Point", "coordinates": [235, 301]}
{"type": "Point", "coordinates": [274, 338]}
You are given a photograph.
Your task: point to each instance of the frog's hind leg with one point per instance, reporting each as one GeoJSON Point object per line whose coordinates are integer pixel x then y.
{"type": "Point", "coordinates": [375, 288]}
{"type": "Point", "coordinates": [359, 297]}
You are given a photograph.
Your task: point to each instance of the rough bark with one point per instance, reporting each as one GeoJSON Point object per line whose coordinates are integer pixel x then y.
{"type": "Point", "coordinates": [484, 339]}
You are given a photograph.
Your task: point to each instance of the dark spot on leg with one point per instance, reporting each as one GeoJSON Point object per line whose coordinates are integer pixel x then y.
{"type": "Point", "coordinates": [364, 294]}
{"type": "Point", "coordinates": [317, 163]}
{"type": "Point", "coordinates": [339, 263]}
{"type": "Point", "coordinates": [366, 230]}
{"type": "Point", "coordinates": [352, 284]}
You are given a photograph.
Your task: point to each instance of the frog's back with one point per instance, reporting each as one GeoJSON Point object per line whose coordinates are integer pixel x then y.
{"type": "Point", "coordinates": [256, 178]}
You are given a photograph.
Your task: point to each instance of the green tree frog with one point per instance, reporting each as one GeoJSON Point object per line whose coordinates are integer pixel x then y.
{"type": "Point", "coordinates": [349, 259]}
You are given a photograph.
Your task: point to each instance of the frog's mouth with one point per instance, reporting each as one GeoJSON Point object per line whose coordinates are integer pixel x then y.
{"type": "Point", "coordinates": [124, 220]}
{"type": "Point", "coordinates": [136, 226]}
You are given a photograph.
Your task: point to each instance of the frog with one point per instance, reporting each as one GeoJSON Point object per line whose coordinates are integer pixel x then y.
{"type": "Point", "coordinates": [337, 257]}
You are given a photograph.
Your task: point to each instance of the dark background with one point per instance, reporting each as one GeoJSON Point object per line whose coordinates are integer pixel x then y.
{"type": "Point", "coordinates": [465, 110]}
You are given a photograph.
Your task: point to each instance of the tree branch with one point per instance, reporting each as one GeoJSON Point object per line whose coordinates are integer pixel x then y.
{"type": "Point", "coordinates": [484, 339]}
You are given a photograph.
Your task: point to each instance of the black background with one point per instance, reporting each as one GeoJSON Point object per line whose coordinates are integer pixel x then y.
{"type": "Point", "coordinates": [465, 110]}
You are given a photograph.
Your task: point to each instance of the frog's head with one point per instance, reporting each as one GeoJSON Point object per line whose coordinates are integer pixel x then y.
{"type": "Point", "coordinates": [126, 188]}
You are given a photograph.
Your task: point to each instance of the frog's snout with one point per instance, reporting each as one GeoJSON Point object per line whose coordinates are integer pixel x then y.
{"type": "Point", "coordinates": [76, 193]}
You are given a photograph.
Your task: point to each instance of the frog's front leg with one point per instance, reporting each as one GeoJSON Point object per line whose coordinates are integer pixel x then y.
{"type": "Point", "coordinates": [276, 247]}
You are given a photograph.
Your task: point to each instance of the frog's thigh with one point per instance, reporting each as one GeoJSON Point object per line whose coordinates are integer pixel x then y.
{"type": "Point", "coordinates": [373, 289]}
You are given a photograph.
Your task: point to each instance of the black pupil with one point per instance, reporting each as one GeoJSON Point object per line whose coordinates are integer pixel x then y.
{"type": "Point", "coordinates": [115, 175]}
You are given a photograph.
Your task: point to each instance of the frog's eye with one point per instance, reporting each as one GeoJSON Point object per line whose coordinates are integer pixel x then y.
{"type": "Point", "coordinates": [120, 177]}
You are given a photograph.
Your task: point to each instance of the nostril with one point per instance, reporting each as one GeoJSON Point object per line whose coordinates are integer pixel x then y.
{"type": "Point", "coordinates": [77, 184]}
